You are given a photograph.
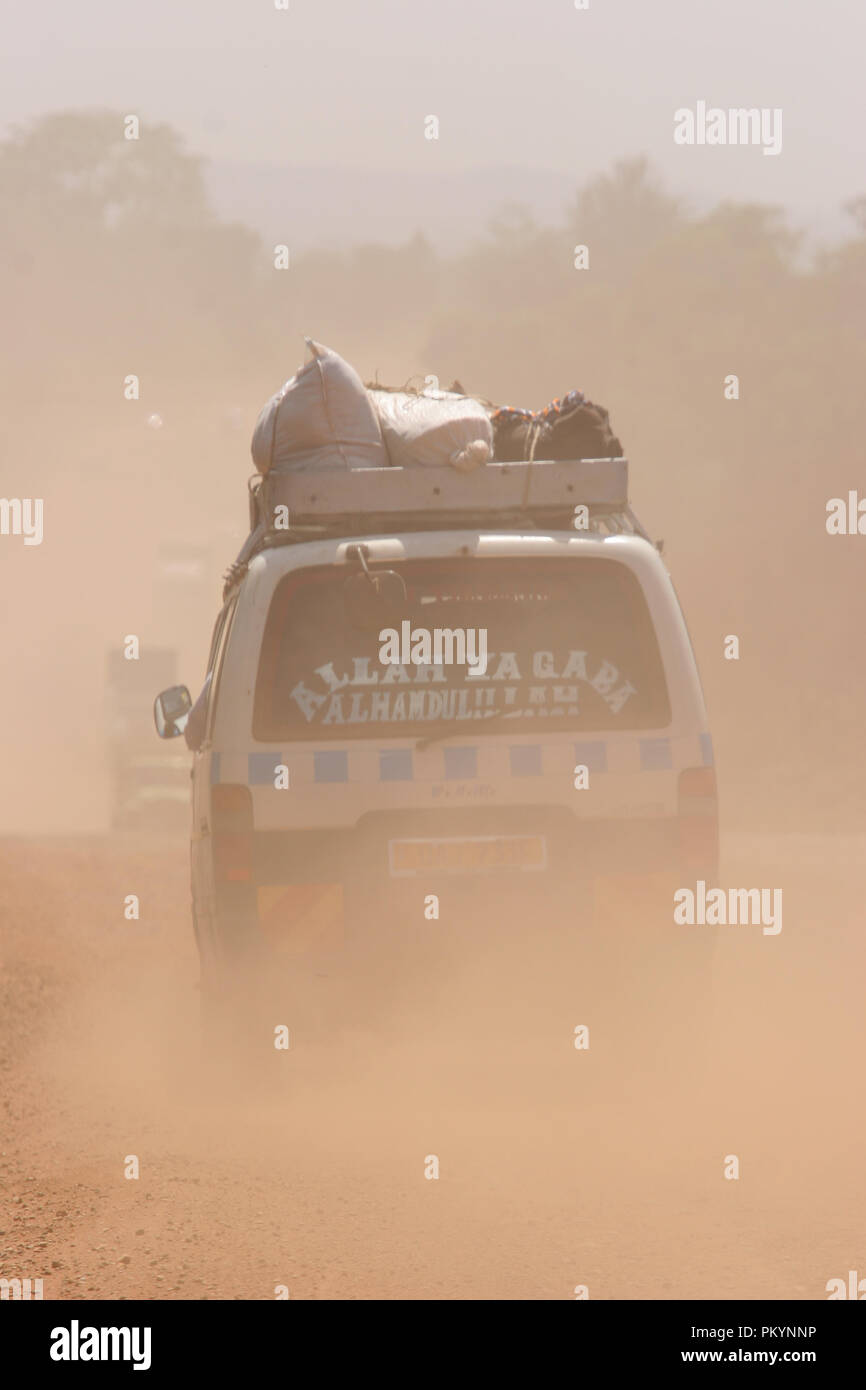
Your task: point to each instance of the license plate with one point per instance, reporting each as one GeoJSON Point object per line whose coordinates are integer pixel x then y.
{"type": "Point", "coordinates": [479, 854]}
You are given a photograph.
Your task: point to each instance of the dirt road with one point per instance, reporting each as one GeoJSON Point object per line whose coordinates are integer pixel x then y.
{"type": "Point", "coordinates": [316, 1181]}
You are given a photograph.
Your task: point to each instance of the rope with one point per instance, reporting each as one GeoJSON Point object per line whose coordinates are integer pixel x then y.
{"type": "Point", "coordinates": [534, 436]}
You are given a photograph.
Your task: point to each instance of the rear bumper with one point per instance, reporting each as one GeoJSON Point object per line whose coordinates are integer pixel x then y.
{"type": "Point", "coordinates": [315, 896]}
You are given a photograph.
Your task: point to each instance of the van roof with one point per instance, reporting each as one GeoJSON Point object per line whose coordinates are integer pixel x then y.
{"type": "Point", "coordinates": [490, 538]}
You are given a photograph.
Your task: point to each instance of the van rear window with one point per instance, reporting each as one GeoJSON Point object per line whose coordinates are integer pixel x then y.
{"type": "Point", "coordinates": [517, 643]}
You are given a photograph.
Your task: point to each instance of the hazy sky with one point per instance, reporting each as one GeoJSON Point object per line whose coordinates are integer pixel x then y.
{"type": "Point", "coordinates": [529, 83]}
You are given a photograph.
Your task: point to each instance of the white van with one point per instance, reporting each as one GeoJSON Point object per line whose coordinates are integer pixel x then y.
{"type": "Point", "coordinates": [346, 805]}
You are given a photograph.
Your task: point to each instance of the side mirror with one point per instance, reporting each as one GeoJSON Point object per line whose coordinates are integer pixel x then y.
{"type": "Point", "coordinates": [171, 711]}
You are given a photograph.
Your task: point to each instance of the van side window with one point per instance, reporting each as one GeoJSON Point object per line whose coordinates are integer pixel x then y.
{"type": "Point", "coordinates": [215, 659]}
{"type": "Point", "coordinates": [198, 725]}
{"type": "Point", "coordinates": [215, 639]}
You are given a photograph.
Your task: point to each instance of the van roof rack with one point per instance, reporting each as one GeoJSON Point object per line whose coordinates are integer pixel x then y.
{"type": "Point", "coordinates": [319, 495]}
{"type": "Point", "coordinates": [332, 502]}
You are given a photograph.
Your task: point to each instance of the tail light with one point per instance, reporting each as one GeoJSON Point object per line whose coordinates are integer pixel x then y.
{"type": "Point", "coordinates": [232, 829]}
{"type": "Point", "coordinates": [698, 819]}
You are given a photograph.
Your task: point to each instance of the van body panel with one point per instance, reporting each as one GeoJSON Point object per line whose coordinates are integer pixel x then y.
{"type": "Point", "coordinates": [310, 851]}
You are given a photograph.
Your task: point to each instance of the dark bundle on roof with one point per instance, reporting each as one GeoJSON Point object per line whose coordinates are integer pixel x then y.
{"type": "Point", "coordinates": [570, 427]}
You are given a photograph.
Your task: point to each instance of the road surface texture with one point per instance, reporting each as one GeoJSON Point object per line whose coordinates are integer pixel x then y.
{"type": "Point", "coordinates": [315, 1178]}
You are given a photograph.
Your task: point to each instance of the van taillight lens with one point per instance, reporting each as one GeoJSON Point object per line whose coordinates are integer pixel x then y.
{"type": "Point", "coordinates": [232, 828]}
{"type": "Point", "coordinates": [697, 790]}
{"type": "Point", "coordinates": [698, 820]}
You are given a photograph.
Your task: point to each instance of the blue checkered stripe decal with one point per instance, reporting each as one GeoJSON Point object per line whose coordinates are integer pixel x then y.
{"type": "Point", "coordinates": [323, 766]}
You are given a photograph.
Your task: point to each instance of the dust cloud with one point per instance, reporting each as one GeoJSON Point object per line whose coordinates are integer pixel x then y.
{"type": "Point", "coordinates": [306, 1168]}
{"type": "Point", "coordinates": [556, 1170]}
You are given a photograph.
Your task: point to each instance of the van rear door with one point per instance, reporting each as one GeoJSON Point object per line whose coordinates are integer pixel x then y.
{"type": "Point", "coordinates": [569, 647]}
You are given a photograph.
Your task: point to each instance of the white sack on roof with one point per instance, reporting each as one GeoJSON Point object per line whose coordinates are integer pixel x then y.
{"type": "Point", "coordinates": [322, 417]}
{"type": "Point", "coordinates": [433, 429]}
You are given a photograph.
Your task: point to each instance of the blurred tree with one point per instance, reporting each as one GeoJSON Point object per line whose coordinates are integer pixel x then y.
{"type": "Point", "coordinates": [512, 227]}
{"type": "Point", "coordinates": [623, 214]}
{"type": "Point", "coordinates": [78, 169]}
{"type": "Point", "coordinates": [856, 208]}
{"type": "Point", "coordinates": [114, 239]}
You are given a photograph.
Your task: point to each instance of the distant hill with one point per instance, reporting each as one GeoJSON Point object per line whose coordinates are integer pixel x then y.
{"type": "Point", "coordinates": [339, 207]}
{"type": "Point", "coordinates": [342, 207]}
